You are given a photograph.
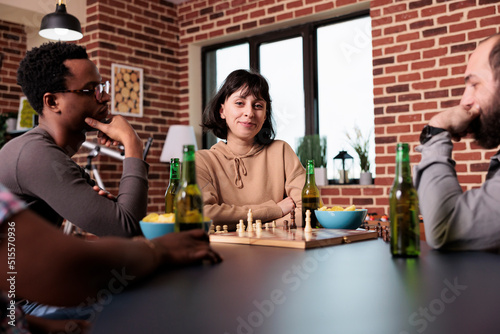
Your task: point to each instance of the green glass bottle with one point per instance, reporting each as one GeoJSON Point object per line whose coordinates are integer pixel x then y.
{"type": "Point", "coordinates": [173, 184]}
{"type": "Point", "coordinates": [188, 200]}
{"type": "Point", "coordinates": [310, 196]}
{"type": "Point", "coordinates": [403, 200]}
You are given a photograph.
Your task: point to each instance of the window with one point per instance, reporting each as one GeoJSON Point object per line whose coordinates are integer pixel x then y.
{"type": "Point", "coordinates": [320, 77]}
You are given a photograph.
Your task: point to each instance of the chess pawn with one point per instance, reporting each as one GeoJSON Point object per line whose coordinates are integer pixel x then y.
{"type": "Point", "coordinates": [258, 224]}
{"type": "Point", "coordinates": [224, 228]}
{"type": "Point", "coordinates": [217, 229]}
{"type": "Point", "coordinates": [241, 226]}
{"type": "Point", "coordinates": [250, 221]}
{"type": "Point", "coordinates": [292, 220]}
{"type": "Point", "coordinates": [308, 228]}
{"type": "Point", "coordinates": [273, 224]}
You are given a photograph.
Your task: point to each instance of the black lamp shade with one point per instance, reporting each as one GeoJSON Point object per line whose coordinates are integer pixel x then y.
{"type": "Point", "coordinates": [60, 25]}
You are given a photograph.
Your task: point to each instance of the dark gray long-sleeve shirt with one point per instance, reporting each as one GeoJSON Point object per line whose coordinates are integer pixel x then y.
{"type": "Point", "coordinates": [454, 219]}
{"type": "Point", "coordinates": [40, 173]}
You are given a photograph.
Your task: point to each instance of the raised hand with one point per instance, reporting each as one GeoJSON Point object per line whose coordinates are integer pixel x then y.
{"type": "Point", "coordinates": [118, 130]}
{"type": "Point", "coordinates": [184, 248]}
{"type": "Point", "coordinates": [456, 120]}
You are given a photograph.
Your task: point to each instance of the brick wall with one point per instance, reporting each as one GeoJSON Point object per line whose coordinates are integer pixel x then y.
{"type": "Point", "coordinates": [12, 50]}
{"type": "Point", "coordinates": [420, 49]}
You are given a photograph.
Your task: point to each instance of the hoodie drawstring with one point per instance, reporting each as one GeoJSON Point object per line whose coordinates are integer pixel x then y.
{"type": "Point", "coordinates": [237, 164]}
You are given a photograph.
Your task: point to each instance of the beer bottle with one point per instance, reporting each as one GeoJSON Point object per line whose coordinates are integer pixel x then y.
{"type": "Point", "coordinates": [310, 196]}
{"type": "Point", "coordinates": [403, 200]}
{"type": "Point", "coordinates": [173, 184]}
{"type": "Point", "coordinates": [188, 200]}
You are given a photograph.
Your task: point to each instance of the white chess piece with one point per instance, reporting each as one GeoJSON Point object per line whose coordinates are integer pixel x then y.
{"type": "Point", "coordinates": [224, 228]}
{"type": "Point", "coordinates": [258, 225]}
{"type": "Point", "coordinates": [217, 229]}
{"type": "Point", "coordinates": [241, 226]}
{"type": "Point", "coordinates": [308, 228]}
{"type": "Point", "coordinates": [250, 221]}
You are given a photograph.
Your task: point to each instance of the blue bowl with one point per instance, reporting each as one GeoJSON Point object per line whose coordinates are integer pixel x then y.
{"type": "Point", "coordinates": [155, 230]}
{"type": "Point", "coordinates": [350, 220]}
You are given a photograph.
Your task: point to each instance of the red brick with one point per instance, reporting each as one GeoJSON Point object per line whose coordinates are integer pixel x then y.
{"type": "Point", "coordinates": [411, 118]}
{"type": "Point", "coordinates": [398, 129]}
{"type": "Point", "coordinates": [330, 192]}
{"type": "Point", "coordinates": [351, 192]}
{"type": "Point", "coordinates": [482, 11]}
{"type": "Point", "coordinates": [452, 39]}
{"type": "Point", "coordinates": [323, 7]}
{"type": "Point", "coordinates": [433, 10]}
{"type": "Point", "coordinates": [434, 53]}
{"type": "Point", "coordinates": [409, 77]}
{"type": "Point", "coordinates": [490, 21]}
{"type": "Point", "coordinates": [396, 49]}
{"type": "Point", "coordinates": [283, 17]}
{"type": "Point", "coordinates": [450, 18]}
{"type": "Point", "coordinates": [409, 97]}
{"type": "Point", "coordinates": [422, 44]}
{"type": "Point", "coordinates": [385, 120]}
{"type": "Point", "coordinates": [408, 37]}
{"type": "Point", "coordinates": [408, 57]}
{"type": "Point", "coordinates": [371, 191]}
{"type": "Point", "coordinates": [395, 29]}
{"type": "Point", "coordinates": [399, 68]}
{"type": "Point", "coordinates": [470, 25]}
{"type": "Point", "coordinates": [424, 106]}
{"type": "Point", "coordinates": [451, 82]}
{"type": "Point", "coordinates": [452, 60]}
{"type": "Point", "coordinates": [423, 64]}
{"type": "Point", "coordinates": [470, 179]}
{"type": "Point", "coordinates": [381, 22]}
{"type": "Point", "coordinates": [435, 73]}
{"type": "Point", "coordinates": [303, 12]}
{"type": "Point", "coordinates": [407, 16]}
{"type": "Point", "coordinates": [275, 9]}
{"type": "Point", "coordinates": [294, 4]}
{"type": "Point", "coordinates": [397, 109]}
{"type": "Point", "coordinates": [479, 167]}
{"type": "Point", "coordinates": [481, 34]}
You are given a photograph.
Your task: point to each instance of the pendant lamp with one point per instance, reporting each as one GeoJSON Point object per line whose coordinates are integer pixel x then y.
{"type": "Point", "coordinates": [60, 25]}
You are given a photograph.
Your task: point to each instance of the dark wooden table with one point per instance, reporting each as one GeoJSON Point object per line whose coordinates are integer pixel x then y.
{"type": "Point", "coordinates": [351, 288]}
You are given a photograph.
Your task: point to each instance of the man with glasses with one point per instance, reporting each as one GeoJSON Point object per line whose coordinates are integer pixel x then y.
{"type": "Point", "coordinates": [68, 94]}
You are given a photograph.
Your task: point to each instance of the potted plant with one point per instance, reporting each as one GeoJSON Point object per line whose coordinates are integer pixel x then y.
{"type": "Point", "coordinates": [313, 147]}
{"type": "Point", "coordinates": [361, 146]}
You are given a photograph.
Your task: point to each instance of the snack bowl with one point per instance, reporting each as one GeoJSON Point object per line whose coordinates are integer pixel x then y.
{"type": "Point", "coordinates": [155, 225]}
{"type": "Point", "coordinates": [153, 230]}
{"type": "Point", "coordinates": [350, 220]}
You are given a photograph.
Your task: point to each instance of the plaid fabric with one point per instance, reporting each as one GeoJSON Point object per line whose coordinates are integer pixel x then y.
{"type": "Point", "coordinates": [12, 319]}
{"type": "Point", "coordinates": [9, 204]}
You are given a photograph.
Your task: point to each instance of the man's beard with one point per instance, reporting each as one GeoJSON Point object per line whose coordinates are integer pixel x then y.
{"type": "Point", "coordinates": [486, 127]}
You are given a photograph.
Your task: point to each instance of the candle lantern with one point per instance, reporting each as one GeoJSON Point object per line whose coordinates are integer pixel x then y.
{"type": "Point", "coordinates": [343, 163]}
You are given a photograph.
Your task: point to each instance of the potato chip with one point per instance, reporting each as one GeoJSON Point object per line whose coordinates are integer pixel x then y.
{"type": "Point", "coordinates": [336, 208]}
{"type": "Point", "coordinates": [164, 218]}
{"type": "Point", "coordinates": [151, 218]}
{"type": "Point", "coordinates": [350, 208]}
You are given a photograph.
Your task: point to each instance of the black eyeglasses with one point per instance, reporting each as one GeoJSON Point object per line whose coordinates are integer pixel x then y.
{"type": "Point", "coordinates": [98, 90]}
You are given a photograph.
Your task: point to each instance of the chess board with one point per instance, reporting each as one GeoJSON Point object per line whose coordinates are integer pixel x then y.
{"type": "Point", "coordinates": [294, 238]}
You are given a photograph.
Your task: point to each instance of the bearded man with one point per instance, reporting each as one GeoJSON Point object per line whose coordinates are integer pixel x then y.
{"type": "Point", "coordinates": [457, 220]}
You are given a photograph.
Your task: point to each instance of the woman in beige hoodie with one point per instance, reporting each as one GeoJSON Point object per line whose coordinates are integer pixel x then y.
{"type": "Point", "coordinates": [250, 169]}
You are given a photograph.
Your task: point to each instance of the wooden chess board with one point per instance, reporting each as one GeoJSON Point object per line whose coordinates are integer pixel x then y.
{"type": "Point", "coordinates": [294, 238]}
